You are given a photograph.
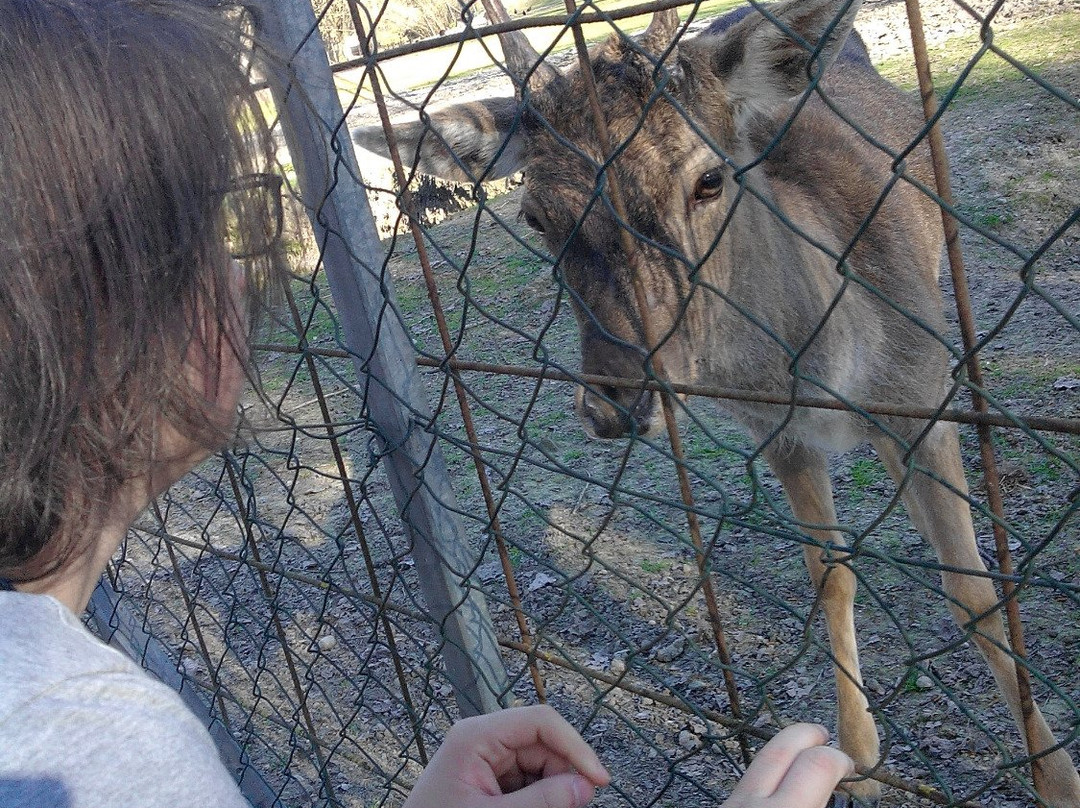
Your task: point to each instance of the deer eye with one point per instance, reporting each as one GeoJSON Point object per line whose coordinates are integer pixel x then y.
{"type": "Point", "coordinates": [709, 185]}
{"type": "Point", "coordinates": [531, 220]}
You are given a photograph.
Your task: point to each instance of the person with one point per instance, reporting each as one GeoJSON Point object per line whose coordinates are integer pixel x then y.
{"type": "Point", "coordinates": [134, 176]}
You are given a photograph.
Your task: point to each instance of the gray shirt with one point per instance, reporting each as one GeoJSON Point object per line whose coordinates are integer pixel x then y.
{"type": "Point", "coordinates": [82, 726]}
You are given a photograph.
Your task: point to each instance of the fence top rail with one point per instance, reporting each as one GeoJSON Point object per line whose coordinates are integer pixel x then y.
{"type": "Point", "coordinates": [545, 21]}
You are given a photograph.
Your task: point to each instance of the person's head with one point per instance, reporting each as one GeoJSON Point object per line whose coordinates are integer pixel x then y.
{"type": "Point", "coordinates": [127, 130]}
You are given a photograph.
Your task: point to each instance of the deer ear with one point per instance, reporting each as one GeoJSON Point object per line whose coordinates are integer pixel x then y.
{"type": "Point", "coordinates": [661, 31]}
{"type": "Point", "coordinates": [768, 56]}
{"type": "Point", "coordinates": [470, 142]}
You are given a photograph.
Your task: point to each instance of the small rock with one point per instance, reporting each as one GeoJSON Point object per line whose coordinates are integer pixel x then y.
{"type": "Point", "coordinates": [924, 682]}
{"type": "Point", "coordinates": [874, 686]}
{"type": "Point", "coordinates": [540, 580]}
{"type": "Point", "coordinates": [326, 642]}
{"type": "Point", "coordinates": [689, 741]}
{"type": "Point", "coordinates": [672, 651]}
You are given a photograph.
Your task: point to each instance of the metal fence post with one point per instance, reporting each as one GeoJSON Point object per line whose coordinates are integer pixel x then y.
{"type": "Point", "coordinates": [327, 172]}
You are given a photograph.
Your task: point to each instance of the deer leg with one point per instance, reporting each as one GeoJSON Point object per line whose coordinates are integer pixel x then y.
{"type": "Point", "coordinates": [805, 478]}
{"type": "Point", "coordinates": [944, 520]}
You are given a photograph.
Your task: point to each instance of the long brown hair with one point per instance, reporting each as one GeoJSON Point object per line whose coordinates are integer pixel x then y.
{"type": "Point", "coordinates": [124, 125]}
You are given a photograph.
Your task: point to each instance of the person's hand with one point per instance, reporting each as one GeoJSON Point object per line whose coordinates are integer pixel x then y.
{"type": "Point", "coordinates": [793, 770]}
{"type": "Point", "coordinates": [528, 757]}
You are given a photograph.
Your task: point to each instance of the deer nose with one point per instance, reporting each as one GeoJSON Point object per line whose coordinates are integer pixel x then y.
{"type": "Point", "coordinates": [614, 412]}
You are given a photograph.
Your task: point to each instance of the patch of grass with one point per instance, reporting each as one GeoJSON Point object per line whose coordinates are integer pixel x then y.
{"type": "Point", "coordinates": [1015, 376]}
{"type": "Point", "coordinates": [1044, 470]}
{"type": "Point", "coordinates": [650, 566]}
{"type": "Point", "coordinates": [504, 278]}
{"type": "Point", "coordinates": [1037, 44]}
{"type": "Point", "coordinates": [992, 219]}
{"type": "Point", "coordinates": [911, 682]}
{"type": "Point", "coordinates": [866, 472]}
{"type": "Point", "coordinates": [1040, 468]}
{"type": "Point", "coordinates": [570, 455]}
{"type": "Point", "coordinates": [544, 419]}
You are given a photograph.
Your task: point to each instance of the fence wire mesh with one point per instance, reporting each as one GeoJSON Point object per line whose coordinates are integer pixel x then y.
{"type": "Point", "coordinates": [651, 588]}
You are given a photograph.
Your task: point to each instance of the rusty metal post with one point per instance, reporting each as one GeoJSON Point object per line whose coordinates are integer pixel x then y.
{"type": "Point", "coordinates": [967, 329]}
{"type": "Point", "coordinates": [652, 344]}
{"type": "Point", "coordinates": [396, 405]}
{"type": "Point", "coordinates": [409, 207]}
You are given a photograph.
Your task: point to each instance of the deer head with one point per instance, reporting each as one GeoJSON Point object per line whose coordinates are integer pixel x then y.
{"type": "Point", "coordinates": [684, 121]}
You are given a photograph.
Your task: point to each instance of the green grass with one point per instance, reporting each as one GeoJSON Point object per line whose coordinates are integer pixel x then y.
{"type": "Point", "coordinates": [990, 219]}
{"type": "Point", "coordinates": [545, 419]}
{"type": "Point", "coordinates": [512, 273]}
{"type": "Point", "coordinates": [911, 682]}
{"type": "Point", "coordinates": [865, 473]}
{"type": "Point", "coordinates": [1043, 469]}
{"type": "Point", "coordinates": [1038, 44]}
{"type": "Point", "coordinates": [573, 454]}
{"type": "Point", "coordinates": [1015, 376]}
{"type": "Point", "coordinates": [1040, 468]}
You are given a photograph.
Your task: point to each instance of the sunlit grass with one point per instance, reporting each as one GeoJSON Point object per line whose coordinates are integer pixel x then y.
{"type": "Point", "coordinates": [1037, 44]}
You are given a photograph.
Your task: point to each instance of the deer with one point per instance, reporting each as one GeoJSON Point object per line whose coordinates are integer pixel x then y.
{"type": "Point", "coordinates": [711, 214]}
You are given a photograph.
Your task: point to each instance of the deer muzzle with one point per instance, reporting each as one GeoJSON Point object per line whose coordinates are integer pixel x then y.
{"type": "Point", "coordinates": [615, 412]}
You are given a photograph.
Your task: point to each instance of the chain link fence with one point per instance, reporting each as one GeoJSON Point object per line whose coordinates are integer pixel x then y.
{"type": "Point", "coordinates": [414, 527]}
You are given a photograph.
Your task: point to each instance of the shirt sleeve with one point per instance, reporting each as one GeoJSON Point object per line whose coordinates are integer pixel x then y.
{"type": "Point", "coordinates": [120, 738]}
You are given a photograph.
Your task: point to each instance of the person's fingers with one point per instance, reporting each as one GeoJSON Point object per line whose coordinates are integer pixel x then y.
{"type": "Point", "coordinates": [543, 732]}
{"type": "Point", "coordinates": [533, 762]}
{"type": "Point", "coordinates": [560, 791]}
{"type": "Point", "coordinates": [771, 764]}
{"type": "Point", "coordinates": [556, 733]}
{"type": "Point", "coordinates": [813, 777]}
